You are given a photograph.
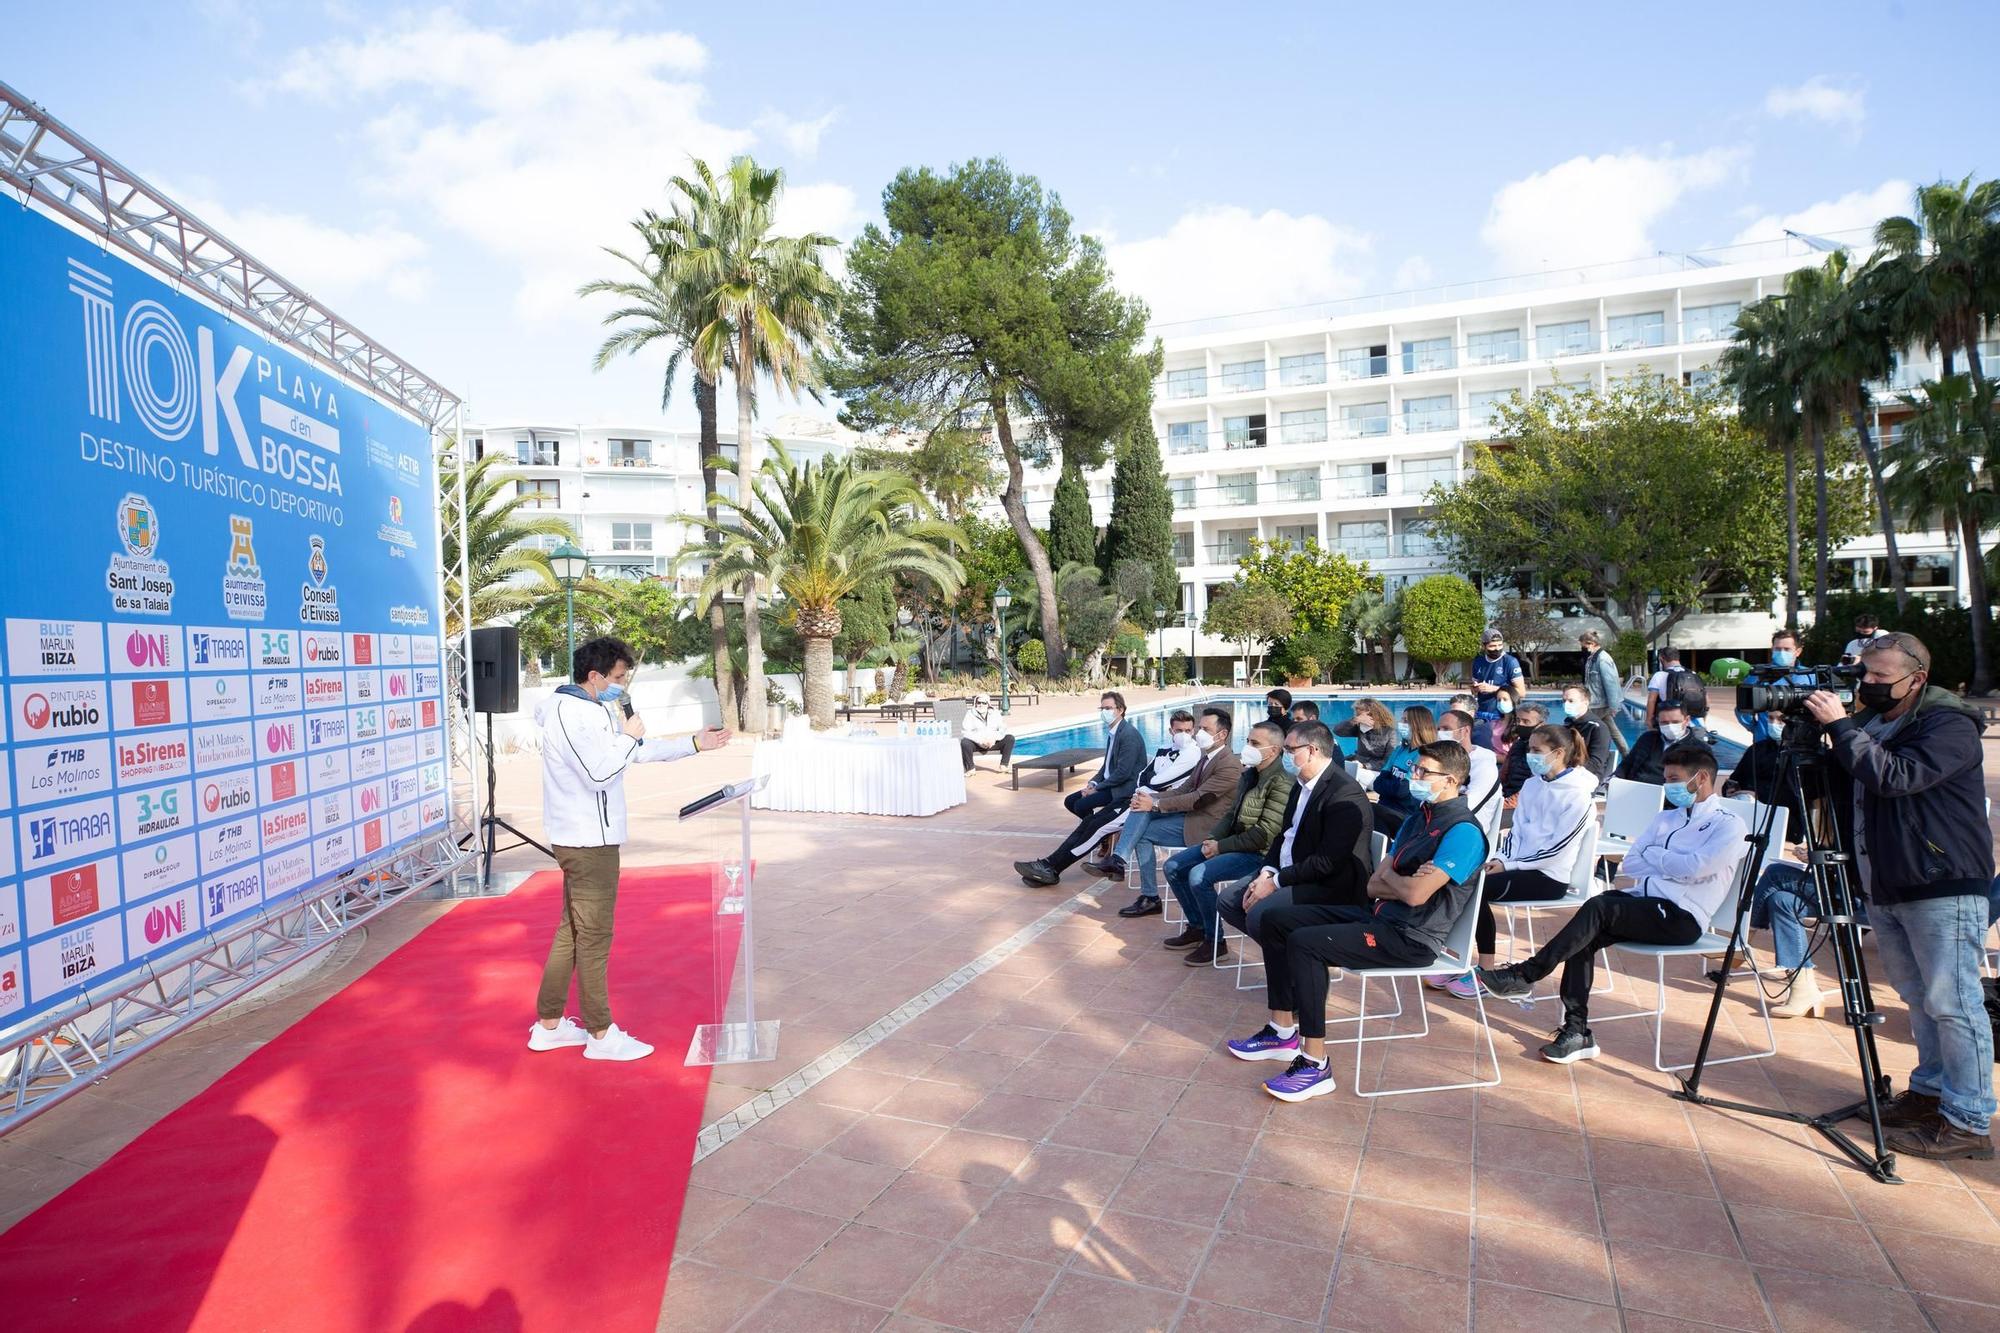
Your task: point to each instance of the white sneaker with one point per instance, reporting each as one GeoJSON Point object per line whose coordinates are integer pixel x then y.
{"type": "Point", "coordinates": [615, 1044]}
{"type": "Point", "coordinates": [566, 1032]}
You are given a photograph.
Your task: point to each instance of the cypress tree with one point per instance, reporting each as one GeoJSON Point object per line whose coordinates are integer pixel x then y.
{"type": "Point", "coordinates": [1072, 533]}
{"type": "Point", "coordinates": [1142, 514]}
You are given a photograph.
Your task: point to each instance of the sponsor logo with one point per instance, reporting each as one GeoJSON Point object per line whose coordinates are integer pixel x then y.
{"type": "Point", "coordinates": [140, 585]}
{"type": "Point", "coordinates": [59, 710]}
{"type": "Point", "coordinates": [431, 811]}
{"type": "Point", "coordinates": [396, 649]}
{"type": "Point", "coordinates": [325, 689]}
{"type": "Point", "coordinates": [280, 737]}
{"type": "Point", "coordinates": [402, 823]}
{"type": "Point", "coordinates": [362, 649]}
{"type": "Point", "coordinates": [66, 834]}
{"type": "Point", "coordinates": [152, 705]}
{"type": "Point", "coordinates": [226, 895]}
{"type": "Point", "coordinates": [57, 772]}
{"type": "Point", "coordinates": [364, 724]}
{"type": "Point", "coordinates": [277, 693]}
{"type": "Point", "coordinates": [282, 781]}
{"type": "Point", "coordinates": [286, 871]}
{"type": "Point", "coordinates": [55, 648]}
{"type": "Point", "coordinates": [363, 686]}
{"type": "Point", "coordinates": [402, 751]}
{"type": "Point", "coordinates": [218, 649]}
{"type": "Point", "coordinates": [428, 711]}
{"type": "Point", "coordinates": [12, 996]}
{"type": "Point", "coordinates": [275, 648]}
{"type": "Point", "coordinates": [397, 683]}
{"type": "Point", "coordinates": [393, 534]}
{"type": "Point", "coordinates": [161, 866]}
{"type": "Point", "coordinates": [409, 615]}
{"type": "Point", "coordinates": [324, 729]}
{"type": "Point", "coordinates": [285, 826]}
{"type": "Point", "coordinates": [366, 761]}
{"type": "Point", "coordinates": [398, 718]}
{"type": "Point", "coordinates": [425, 680]}
{"type": "Point", "coordinates": [424, 649]}
{"type": "Point", "coordinates": [223, 746]}
{"type": "Point", "coordinates": [225, 795]}
{"type": "Point", "coordinates": [322, 650]}
{"type": "Point", "coordinates": [330, 811]}
{"type": "Point", "coordinates": [430, 744]}
{"type": "Point", "coordinates": [327, 768]}
{"type": "Point", "coordinates": [223, 845]}
{"type": "Point", "coordinates": [402, 788]}
{"type": "Point", "coordinates": [433, 778]}
{"type": "Point", "coordinates": [155, 810]}
{"type": "Point", "coordinates": [165, 921]}
{"type": "Point", "coordinates": [244, 596]}
{"type": "Point", "coordinates": [143, 648]}
{"type": "Point", "coordinates": [72, 895]}
{"type": "Point", "coordinates": [319, 601]}
{"type": "Point", "coordinates": [371, 837]}
{"type": "Point", "coordinates": [214, 698]}
{"type": "Point", "coordinates": [152, 757]}
{"type": "Point", "coordinates": [333, 852]}
{"type": "Point", "coordinates": [63, 962]}
{"type": "Point", "coordinates": [368, 800]}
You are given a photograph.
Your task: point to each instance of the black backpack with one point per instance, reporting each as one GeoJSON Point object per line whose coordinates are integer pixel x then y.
{"type": "Point", "coordinates": [1687, 690]}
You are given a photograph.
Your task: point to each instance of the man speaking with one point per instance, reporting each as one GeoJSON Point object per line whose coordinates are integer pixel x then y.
{"type": "Point", "coordinates": [587, 741]}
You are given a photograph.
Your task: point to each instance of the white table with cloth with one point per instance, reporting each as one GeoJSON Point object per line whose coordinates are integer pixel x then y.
{"type": "Point", "coordinates": [859, 774]}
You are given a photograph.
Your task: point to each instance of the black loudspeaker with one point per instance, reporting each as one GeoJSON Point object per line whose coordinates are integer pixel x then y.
{"type": "Point", "coordinates": [496, 670]}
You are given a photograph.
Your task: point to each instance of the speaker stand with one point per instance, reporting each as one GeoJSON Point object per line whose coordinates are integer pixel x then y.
{"type": "Point", "coordinates": [491, 823]}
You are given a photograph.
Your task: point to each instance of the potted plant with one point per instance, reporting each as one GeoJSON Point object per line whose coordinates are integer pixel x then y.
{"type": "Point", "coordinates": [1306, 671]}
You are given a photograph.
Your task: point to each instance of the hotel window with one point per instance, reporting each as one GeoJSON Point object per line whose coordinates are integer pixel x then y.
{"type": "Point", "coordinates": [1364, 363]}
{"type": "Point", "coordinates": [1365, 541]}
{"type": "Point", "coordinates": [1183, 548]}
{"type": "Point", "coordinates": [1624, 332]}
{"type": "Point", "coordinates": [1299, 483]}
{"type": "Point", "coordinates": [629, 453]}
{"type": "Point", "coordinates": [1303, 427]}
{"type": "Point", "coordinates": [1231, 545]}
{"type": "Point", "coordinates": [1427, 354]}
{"type": "Point", "coordinates": [1306, 368]}
{"type": "Point", "coordinates": [1416, 539]}
{"type": "Point", "coordinates": [1418, 475]}
{"type": "Point", "coordinates": [1242, 376]}
{"type": "Point", "coordinates": [1192, 383]}
{"type": "Point", "coordinates": [542, 492]}
{"type": "Point", "coordinates": [1494, 347]}
{"type": "Point", "coordinates": [1243, 432]}
{"type": "Point", "coordinates": [1187, 437]}
{"type": "Point", "coordinates": [1479, 405]}
{"type": "Point", "coordinates": [1364, 419]}
{"type": "Point", "coordinates": [478, 446]}
{"type": "Point", "coordinates": [1427, 414]}
{"type": "Point", "coordinates": [1296, 536]}
{"type": "Point", "coordinates": [1572, 385]}
{"type": "Point", "coordinates": [1358, 480]}
{"type": "Point", "coordinates": [1710, 323]}
{"type": "Point", "coordinates": [631, 536]}
{"type": "Point", "coordinates": [1642, 376]}
{"type": "Point", "coordinates": [1567, 339]}
{"type": "Point", "coordinates": [1237, 488]}
{"type": "Point", "coordinates": [1182, 490]}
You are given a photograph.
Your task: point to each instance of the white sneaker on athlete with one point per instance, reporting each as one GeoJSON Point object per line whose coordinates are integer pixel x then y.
{"type": "Point", "coordinates": [615, 1044]}
{"type": "Point", "coordinates": [566, 1032]}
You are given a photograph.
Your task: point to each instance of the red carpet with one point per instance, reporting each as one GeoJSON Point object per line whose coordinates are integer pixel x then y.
{"type": "Point", "coordinates": [399, 1160]}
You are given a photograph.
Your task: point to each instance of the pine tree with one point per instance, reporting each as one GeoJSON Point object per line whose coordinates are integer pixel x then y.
{"type": "Point", "coordinates": [1072, 533]}
{"type": "Point", "coordinates": [1142, 516]}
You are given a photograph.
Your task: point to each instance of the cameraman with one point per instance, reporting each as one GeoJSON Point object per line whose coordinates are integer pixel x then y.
{"type": "Point", "coordinates": [1912, 758]}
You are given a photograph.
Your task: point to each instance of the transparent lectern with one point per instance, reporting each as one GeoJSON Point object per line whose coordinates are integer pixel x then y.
{"type": "Point", "coordinates": [717, 829]}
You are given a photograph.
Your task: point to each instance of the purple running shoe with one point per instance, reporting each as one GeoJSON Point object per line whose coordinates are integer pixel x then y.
{"type": "Point", "coordinates": [1266, 1045]}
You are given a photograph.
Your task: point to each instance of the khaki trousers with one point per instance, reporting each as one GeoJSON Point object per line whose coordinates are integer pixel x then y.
{"type": "Point", "coordinates": [583, 938]}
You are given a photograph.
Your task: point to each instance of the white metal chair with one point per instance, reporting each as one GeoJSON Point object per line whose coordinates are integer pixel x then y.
{"type": "Point", "coordinates": [1713, 940]}
{"type": "Point", "coordinates": [1628, 808]}
{"type": "Point", "coordinates": [1171, 915]}
{"type": "Point", "coordinates": [1584, 885]}
{"type": "Point", "coordinates": [1456, 956]}
{"type": "Point", "coordinates": [1378, 847]}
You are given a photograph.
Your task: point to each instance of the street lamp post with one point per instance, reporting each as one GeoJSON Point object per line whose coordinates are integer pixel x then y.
{"type": "Point", "coordinates": [1002, 599]}
{"type": "Point", "coordinates": [569, 565]}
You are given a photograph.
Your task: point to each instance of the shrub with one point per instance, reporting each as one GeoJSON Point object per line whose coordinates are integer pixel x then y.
{"type": "Point", "coordinates": [1628, 650]}
{"type": "Point", "coordinates": [1946, 631]}
{"type": "Point", "coordinates": [1443, 617]}
{"type": "Point", "coordinates": [1177, 668]}
{"type": "Point", "coordinates": [1032, 656]}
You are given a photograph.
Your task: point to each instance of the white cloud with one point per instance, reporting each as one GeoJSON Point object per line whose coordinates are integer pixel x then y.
{"type": "Point", "coordinates": [1860, 209]}
{"type": "Point", "coordinates": [801, 137]}
{"type": "Point", "coordinates": [1820, 100]}
{"type": "Point", "coordinates": [1592, 210]}
{"type": "Point", "coordinates": [538, 151]}
{"type": "Point", "coordinates": [1224, 260]}
{"type": "Point", "coordinates": [332, 263]}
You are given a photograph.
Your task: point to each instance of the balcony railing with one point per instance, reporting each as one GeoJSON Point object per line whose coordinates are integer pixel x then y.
{"type": "Point", "coordinates": [1355, 428]}
{"type": "Point", "coordinates": [1196, 443]}
{"type": "Point", "coordinates": [1302, 432]}
{"type": "Point", "coordinates": [1296, 377]}
{"type": "Point", "coordinates": [1416, 544]}
{"type": "Point", "coordinates": [1226, 553]}
{"type": "Point", "coordinates": [1248, 437]}
{"type": "Point", "coordinates": [1364, 368]}
{"type": "Point", "coordinates": [1365, 548]}
{"type": "Point", "coordinates": [1238, 494]}
{"type": "Point", "coordinates": [1305, 489]}
{"type": "Point", "coordinates": [1193, 386]}
{"type": "Point", "coordinates": [1425, 420]}
{"type": "Point", "coordinates": [1243, 381]}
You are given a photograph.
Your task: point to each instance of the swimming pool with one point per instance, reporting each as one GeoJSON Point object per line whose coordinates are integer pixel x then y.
{"type": "Point", "coordinates": [1248, 708]}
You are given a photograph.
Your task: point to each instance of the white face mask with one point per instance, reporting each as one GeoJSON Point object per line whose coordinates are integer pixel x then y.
{"type": "Point", "coordinates": [1673, 731]}
{"type": "Point", "coordinates": [1205, 739]}
{"type": "Point", "coordinates": [1451, 736]}
{"type": "Point", "coordinates": [1183, 740]}
{"type": "Point", "coordinates": [1363, 725]}
{"type": "Point", "coordinates": [1253, 755]}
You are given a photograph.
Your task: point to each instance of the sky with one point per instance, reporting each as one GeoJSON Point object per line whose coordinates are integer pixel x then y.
{"type": "Point", "coordinates": [445, 178]}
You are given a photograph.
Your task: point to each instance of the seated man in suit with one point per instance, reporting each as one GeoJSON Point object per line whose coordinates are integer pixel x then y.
{"type": "Point", "coordinates": [1671, 727]}
{"type": "Point", "coordinates": [1315, 857]}
{"type": "Point", "coordinates": [983, 731]}
{"type": "Point", "coordinates": [1100, 800]}
{"type": "Point", "coordinates": [1415, 897]}
{"type": "Point", "coordinates": [1235, 847]}
{"type": "Point", "coordinates": [1674, 878]}
{"type": "Point", "coordinates": [1182, 816]}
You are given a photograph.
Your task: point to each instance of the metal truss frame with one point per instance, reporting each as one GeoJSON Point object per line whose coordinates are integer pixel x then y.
{"type": "Point", "coordinates": [68, 1051]}
{"type": "Point", "coordinates": [47, 162]}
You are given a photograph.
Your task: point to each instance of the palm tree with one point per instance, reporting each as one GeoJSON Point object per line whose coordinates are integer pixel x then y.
{"type": "Point", "coordinates": [762, 302]}
{"type": "Point", "coordinates": [1945, 477]}
{"type": "Point", "coordinates": [657, 310]}
{"type": "Point", "coordinates": [819, 531]}
{"type": "Point", "coordinates": [506, 574]}
{"type": "Point", "coordinates": [1768, 402]}
{"type": "Point", "coordinates": [1940, 272]}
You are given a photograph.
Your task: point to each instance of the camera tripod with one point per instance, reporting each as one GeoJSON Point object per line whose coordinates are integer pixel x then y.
{"type": "Point", "coordinates": [1802, 772]}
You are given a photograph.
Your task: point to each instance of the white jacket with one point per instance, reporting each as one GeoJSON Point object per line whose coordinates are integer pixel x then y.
{"type": "Point", "coordinates": [584, 755]}
{"type": "Point", "coordinates": [983, 725]}
{"type": "Point", "coordinates": [1689, 857]}
{"type": "Point", "coordinates": [1548, 823]}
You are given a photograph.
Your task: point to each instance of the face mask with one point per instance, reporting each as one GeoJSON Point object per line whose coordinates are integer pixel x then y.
{"type": "Point", "coordinates": [1278, 711]}
{"type": "Point", "coordinates": [1451, 736]}
{"type": "Point", "coordinates": [610, 693]}
{"type": "Point", "coordinates": [1183, 741]}
{"type": "Point", "coordinates": [1680, 795]}
{"type": "Point", "coordinates": [1783, 657]}
{"type": "Point", "coordinates": [1402, 731]}
{"type": "Point", "coordinates": [1575, 707]}
{"type": "Point", "coordinates": [1291, 764]}
{"type": "Point", "coordinates": [1506, 704]}
{"type": "Point", "coordinates": [1878, 695]}
{"type": "Point", "coordinates": [1364, 726]}
{"type": "Point", "coordinates": [1671, 732]}
{"type": "Point", "coordinates": [1422, 791]}
{"type": "Point", "coordinates": [1205, 740]}
{"type": "Point", "coordinates": [1109, 715]}
{"type": "Point", "coordinates": [1253, 755]}
{"type": "Point", "coordinates": [1539, 764]}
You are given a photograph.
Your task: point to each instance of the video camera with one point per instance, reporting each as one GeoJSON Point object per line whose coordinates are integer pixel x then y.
{"type": "Point", "coordinates": [1784, 691]}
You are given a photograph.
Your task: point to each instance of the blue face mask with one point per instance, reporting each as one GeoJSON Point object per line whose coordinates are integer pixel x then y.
{"type": "Point", "coordinates": [1783, 657]}
{"type": "Point", "coordinates": [1421, 790]}
{"type": "Point", "coordinates": [1291, 764]}
{"type": "Point", "coordinates": [1539, 764]}
{"type": "Point", "coordinates": [1679, 795]}
{"type": "Point", "coordinates": [1575, 707]}
{"type": "Point", "coordinates": [1110, 716]}
{"type": "Point", "coordinates": [611, 694]}
{"type": "Point", "coordinates": [1402, 731]}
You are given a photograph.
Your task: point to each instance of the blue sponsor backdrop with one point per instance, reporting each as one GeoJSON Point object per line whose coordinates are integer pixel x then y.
{"type": "Point", "coordinates": [221, 599]}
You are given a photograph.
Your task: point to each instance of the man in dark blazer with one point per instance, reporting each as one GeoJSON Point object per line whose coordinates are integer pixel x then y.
{"type": "Point", "coordinates": [1100, 800]}
{"type": "Point", "coordinates": [1320, 854]}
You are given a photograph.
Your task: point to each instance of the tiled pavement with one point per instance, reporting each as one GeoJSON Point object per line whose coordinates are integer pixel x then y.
{"type": "Point", "coordinates": [1060, 1144]}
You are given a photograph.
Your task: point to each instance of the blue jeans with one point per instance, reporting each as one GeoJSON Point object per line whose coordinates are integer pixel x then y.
{"type": "Point", "coordinates": [1194, 880]}
{"type": "Point", "coordinates": [1784, 896]}
{"type": "Point", "coordinates": [1143, 831]}
{"type": "Point", "coordinates": [1931, 951]}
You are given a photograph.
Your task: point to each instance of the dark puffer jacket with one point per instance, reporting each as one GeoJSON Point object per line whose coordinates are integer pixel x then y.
{"type": "Point", "coordinates": [1923, 800]}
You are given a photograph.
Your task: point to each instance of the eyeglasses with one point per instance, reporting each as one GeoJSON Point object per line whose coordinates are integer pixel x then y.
{"type": "Point", "coordinates": [1291, 748]}
{"type": "Point", "coordinates": [1428, 773]}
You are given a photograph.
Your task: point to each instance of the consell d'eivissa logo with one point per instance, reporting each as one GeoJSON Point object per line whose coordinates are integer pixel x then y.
{"type": "Point", "coordinates": [319, 601]}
